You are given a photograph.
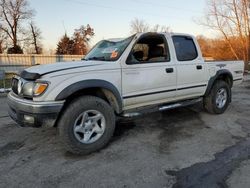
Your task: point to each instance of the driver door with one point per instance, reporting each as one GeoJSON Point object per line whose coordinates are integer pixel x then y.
{"type": "Point", "coordinates": [148, 77]}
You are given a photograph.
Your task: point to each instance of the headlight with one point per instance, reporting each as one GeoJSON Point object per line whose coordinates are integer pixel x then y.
{"type": "Point", "coordinates": [27, 89]}
{"type": "Point", "coordinates": [33, 89]}
{"type": "Point", "coordinates": [39, 88]}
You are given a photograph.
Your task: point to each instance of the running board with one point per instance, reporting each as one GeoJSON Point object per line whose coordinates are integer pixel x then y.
{"type": "Point", "coordinates": [150, 109]}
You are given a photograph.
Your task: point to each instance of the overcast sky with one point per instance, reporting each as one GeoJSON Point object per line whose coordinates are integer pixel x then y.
{"type": "Point", "coordinates": [111, 18]}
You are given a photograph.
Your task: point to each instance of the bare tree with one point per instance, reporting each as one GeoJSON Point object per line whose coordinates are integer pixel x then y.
{"type": "Point", "coordinates": [231, 19]}
{"type": "Point", "coordinates": [36, 36]}
{"type": "Point", "coordinates": [1, 46]}
{"type": "Point", "coordinates": [138, 26]}
{"type": "Point", "coordinates": [161, 28]}
{"type": "Point", "coordinates": [81, 39]}
{"type": "Point", "coordinates": [218, 48]}
{"type": "Point", "coordinates": [2, 39]}
{"type": "Point", "coordinates": [12, 13]}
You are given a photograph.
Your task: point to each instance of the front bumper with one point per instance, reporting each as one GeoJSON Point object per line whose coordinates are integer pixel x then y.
{"type": "Point", "coordinates": [29, 113]}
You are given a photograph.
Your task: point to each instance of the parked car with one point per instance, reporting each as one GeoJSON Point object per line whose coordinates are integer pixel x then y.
{"type": "Point", "coordinates": [120, 78]}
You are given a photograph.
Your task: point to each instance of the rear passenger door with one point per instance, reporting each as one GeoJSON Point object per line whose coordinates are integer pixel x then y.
{"type": "Point", "coordinates": [191, 71]}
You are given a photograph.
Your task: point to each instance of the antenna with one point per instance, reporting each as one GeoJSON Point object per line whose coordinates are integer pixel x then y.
{"type": "Point", "coordinates": [64, 27]}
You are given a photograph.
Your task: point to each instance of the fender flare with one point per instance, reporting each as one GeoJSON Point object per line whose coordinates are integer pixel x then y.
{"type": "Point", "coordinates": [215, 77]}
{"type": "Point", "coordinates": [87, 84]}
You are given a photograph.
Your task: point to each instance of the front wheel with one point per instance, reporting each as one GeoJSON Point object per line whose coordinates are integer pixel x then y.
{"type": "Point", "coordinates": [218, 99]}
{"type": "Point", "coordinates": [86, 125]}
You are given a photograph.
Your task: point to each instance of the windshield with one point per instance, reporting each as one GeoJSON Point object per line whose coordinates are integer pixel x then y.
{"type": "Point", "coordinates": [108, 50]}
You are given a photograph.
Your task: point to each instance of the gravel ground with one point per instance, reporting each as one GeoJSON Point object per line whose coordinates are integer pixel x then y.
{"type": "Point", "coordinates": [185, 147]}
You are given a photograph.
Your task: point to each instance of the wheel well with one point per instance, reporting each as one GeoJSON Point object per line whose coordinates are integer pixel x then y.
{"type": "Point", "coordinates": [102, 93]}
{"type": "Point", "coordinates": [225, 77]}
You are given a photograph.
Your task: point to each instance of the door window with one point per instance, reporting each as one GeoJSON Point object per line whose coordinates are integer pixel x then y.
{"type": "Point", "coordinates": [151, 48]}
{"type": "Point", "coordinates": [185, 48]}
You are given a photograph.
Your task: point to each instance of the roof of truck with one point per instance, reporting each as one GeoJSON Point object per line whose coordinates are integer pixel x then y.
{"type": "Point", "coordinates": [170, 34]}
{"type": "Point", "coordinates": [167, 33]}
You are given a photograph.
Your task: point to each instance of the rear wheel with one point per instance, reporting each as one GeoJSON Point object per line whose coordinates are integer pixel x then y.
{"type": "Point", "coordinates": [86, 125]}
{"type": "Point", "coordinates": [218, 99]}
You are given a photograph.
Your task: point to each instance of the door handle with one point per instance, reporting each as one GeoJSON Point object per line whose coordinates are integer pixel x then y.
{"type": "Point", "coordinates": [198, 67]}
{"type": "Point", "coordinates": [169, 70]}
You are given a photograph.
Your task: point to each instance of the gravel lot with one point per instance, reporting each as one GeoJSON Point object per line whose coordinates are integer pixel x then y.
{"type": "Point", "coordinates": [185, 147]}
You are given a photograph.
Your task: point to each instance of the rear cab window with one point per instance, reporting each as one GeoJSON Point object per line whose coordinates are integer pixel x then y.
{"type": "Point", "coordinates": [185, 48]}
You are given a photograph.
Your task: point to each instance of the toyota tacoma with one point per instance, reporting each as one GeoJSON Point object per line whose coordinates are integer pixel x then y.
{"type": "Point", "coordinates": [120, 78]}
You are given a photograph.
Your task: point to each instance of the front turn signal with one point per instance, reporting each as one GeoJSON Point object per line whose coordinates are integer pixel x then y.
{"type": "Point", "coordinates": [39, 88]}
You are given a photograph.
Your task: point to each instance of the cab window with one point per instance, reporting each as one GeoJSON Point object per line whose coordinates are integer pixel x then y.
{"type": "Point", "coordinates": [185, 48]}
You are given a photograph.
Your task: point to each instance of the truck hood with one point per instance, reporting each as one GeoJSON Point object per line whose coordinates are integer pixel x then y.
{"type": "Point", "coordinates": [37, 71]}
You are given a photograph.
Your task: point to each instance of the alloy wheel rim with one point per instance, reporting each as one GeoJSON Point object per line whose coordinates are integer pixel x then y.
{"type": "Point", "coordinates": [221, 98]}
{"type": "Point", "coordinates": [89, 126]}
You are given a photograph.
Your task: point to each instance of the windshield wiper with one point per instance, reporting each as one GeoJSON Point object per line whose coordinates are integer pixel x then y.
{"type": "Point", "coordinates": [102, 58]}
{"type": "Point", "coordinates": [83, 59]}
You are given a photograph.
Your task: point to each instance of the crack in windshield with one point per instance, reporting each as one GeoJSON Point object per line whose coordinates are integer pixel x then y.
{"type": "Point", "coordinates": [108, 50]}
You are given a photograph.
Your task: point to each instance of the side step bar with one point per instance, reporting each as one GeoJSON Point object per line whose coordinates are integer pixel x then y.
{"type": "Point", "coordinates": [150, 109]}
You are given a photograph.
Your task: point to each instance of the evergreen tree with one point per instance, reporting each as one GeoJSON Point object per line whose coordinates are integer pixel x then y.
{"type": "Point", "coordinates": [65, 46]}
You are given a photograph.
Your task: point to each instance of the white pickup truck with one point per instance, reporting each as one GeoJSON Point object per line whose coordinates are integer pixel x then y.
{"type": "Point", "coordinates": [120, 78]}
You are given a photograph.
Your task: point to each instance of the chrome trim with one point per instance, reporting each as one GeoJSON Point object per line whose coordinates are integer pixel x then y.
{"type": "Point", "coordinates": [171, 106]}
{"type": "Point", "coordinates": [130, 114]}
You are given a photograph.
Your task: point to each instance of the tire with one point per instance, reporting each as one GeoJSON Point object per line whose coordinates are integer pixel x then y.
{"type": "Point", "coordinates": [83, 117]}
{"type": "Point", "coordinates": [215, 103]}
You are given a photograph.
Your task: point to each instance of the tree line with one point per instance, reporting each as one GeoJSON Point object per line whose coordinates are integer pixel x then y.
{"type": "Point", "coordinates": [229, 19]}
{"type": "Point", "coordinates": [19, 32]}
{"type": "Point", "coordinates": [78, 43]}
{"type": "Point", "coordinates": [218, 48]}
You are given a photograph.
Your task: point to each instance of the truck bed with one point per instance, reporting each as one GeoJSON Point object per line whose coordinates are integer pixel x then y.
{"type": "Point", "coordinates": [235, 67]}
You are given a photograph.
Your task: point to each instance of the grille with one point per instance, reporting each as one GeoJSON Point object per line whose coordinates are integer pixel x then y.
{"type": "Point", "coordinates": [14, 85]}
